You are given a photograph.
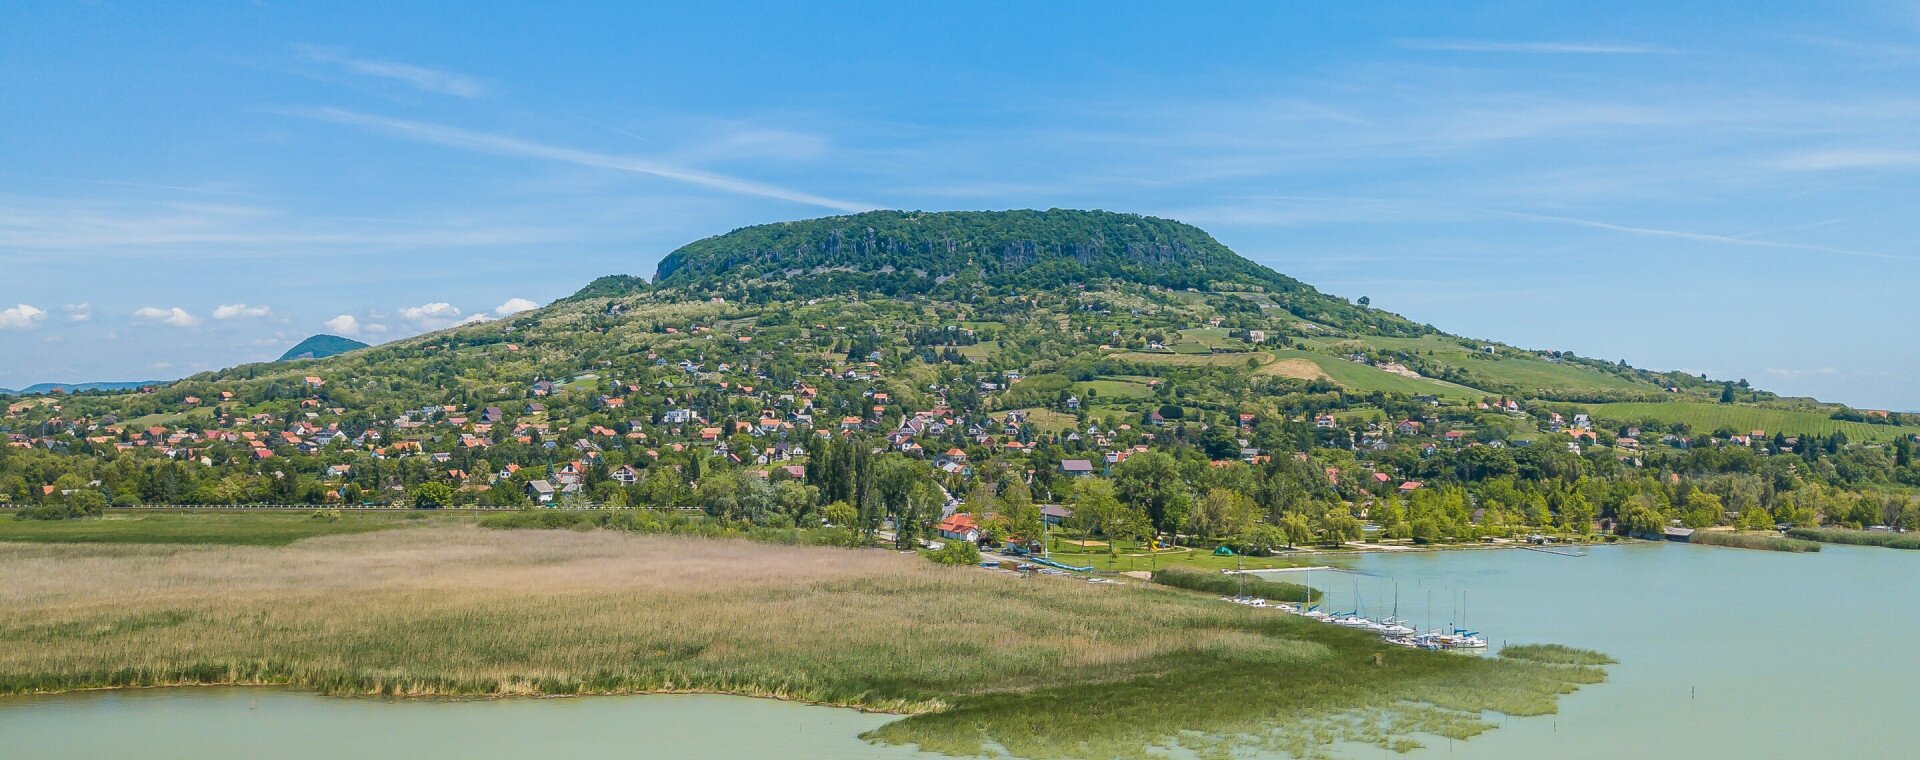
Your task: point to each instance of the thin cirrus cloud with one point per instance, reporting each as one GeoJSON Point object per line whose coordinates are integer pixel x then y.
{"type": "Point", "coordinates": [421, 78]}
{"type": "Point", "coordinates": [483, 142]}
{"type": "Point", "coordinates": [172, 317]}
{"type": "Point", "coordinates": [20, 316]}
{"type": "Point", "coordinates": [1825, 160]}
{"type": "Point", "coordinates": [1544, 48]}
{"type": "Point", "coordinates": [241, 311]}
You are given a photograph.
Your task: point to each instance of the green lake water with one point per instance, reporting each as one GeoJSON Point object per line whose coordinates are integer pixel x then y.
{"type": "Point", "coordinates": [1724, 653]}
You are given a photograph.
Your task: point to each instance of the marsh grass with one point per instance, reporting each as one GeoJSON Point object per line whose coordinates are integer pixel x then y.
{"type": "Point", "coordinates": [1041, 666]}
{"type": "Point", "coordinates": [1762, 541]}
{"type": "Point", "coordinates": [1234, 585]}
{"type": "Point", "coordinates": [234, 528]}
{"type": "Point", "coordinates": [1857, 537]}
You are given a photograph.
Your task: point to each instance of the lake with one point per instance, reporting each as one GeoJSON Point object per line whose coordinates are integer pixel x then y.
{"type": "Point", "coordinates": [1724, 653]}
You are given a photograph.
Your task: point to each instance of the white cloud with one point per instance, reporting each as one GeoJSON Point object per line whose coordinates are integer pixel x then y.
{"type": "Point", "coordinates": [240, 311]}
{"type": "Point", "coordinates": [515, 306]}
{"type": "Point", "coordinates": [1777, 372]}
{"type": "Point", "coordinates": [176, 316]}
{"type": "Point", "coordinates": [20, 317]}
{"type": "Point", "coordinates": [433, 316]}
{"type": "Point", "coordinates": [344, 324]}
{"type": "Point", "coordinates": [78, 312]}
{"type": "Point", "coordinates": [435, 310]}
{"type": "Point", "coordinates": [475, 319]}
{"type": "Point", "coordinates": [418, 77]}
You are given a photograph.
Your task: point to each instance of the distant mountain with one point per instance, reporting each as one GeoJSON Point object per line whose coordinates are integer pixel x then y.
{"type": "Point", "coordinates": [33, 390]}
{"type": "Point", "coordinates": [321, 347]}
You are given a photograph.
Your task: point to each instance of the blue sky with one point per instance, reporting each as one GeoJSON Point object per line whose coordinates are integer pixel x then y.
{"type": "Point", "coordinates": [1712, 187]}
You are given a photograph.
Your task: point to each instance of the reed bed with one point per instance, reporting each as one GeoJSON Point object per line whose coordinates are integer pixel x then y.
{"type": "Point", "coordinates": [1235, 585]}
{"type": "Point", "coordinates": [1044, 667]}
{"type": "Point", "coordinates": [1762, 541]}
{"type": "Point", "coordinates": [1857, 537]}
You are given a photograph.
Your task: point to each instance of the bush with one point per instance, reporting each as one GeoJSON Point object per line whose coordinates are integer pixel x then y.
{"type": "Point", "coordinates": [956, 553]}
{"type": "Point", "coordinates": [46, 512]}
{"type": "Point", "coordinates": [1222, 583]}
{"type": "Point", "coordinates": [326, 515]}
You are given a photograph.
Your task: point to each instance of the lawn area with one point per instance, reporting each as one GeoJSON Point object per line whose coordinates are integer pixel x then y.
{"type": "Point", "coordinates": [235, 528]}
{"type": "Point", "coordinates": [1193, 360]}
{"type": "Point", "coordinates": [1364, 378]}
{"type": "Point", "coordinates": [1112, 389]}
{"type": "Point", "coordinates": [1705, 418]}
{"type": "Point", "coordinates": [1050, 421]}
{"type": "Point", "coordinates": [981, 351]}
{"type": "Point", "coordinates": [1039, 667]}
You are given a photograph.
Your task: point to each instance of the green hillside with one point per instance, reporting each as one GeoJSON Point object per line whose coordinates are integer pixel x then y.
{"type": "Point", "coordinates": [321, 347]}
{"type": "Point", "coordinates": [1744, 419]}
{"type": "Point", "coordinates": [953, 348]}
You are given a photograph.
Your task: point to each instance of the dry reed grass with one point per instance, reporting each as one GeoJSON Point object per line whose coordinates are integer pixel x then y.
{"type": "Point", "coordinates": [465, 611]}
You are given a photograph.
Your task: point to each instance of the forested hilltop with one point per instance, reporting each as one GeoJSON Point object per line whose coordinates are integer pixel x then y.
{"type": "Point", "coordinates": [1131, 370]}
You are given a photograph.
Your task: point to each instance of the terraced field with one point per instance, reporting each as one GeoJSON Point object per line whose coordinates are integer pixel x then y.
{"type": "Point", "coordinates": [1530, 376]}
{"type": "Point", "coordinates": [1705, 418]}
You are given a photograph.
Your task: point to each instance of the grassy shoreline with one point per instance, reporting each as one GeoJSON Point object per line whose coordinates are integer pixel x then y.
{"type": "Point", "coordinates": [457, 611]}
{"type": "Point", "coordinates": [1759, 541]}
{"type": "Point", "coordinates": [1857, 537]}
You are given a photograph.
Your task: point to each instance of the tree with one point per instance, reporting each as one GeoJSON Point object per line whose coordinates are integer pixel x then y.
{"type": "Point", "coordinates": [1221, 512]}
{"type": "Point", "coordinates": [1023, 516]}
{"type": "Point", "coordinates": [845, 517]}
{"type": "Point", "coordinates": [1726, 393]}
{"type": "Point", "coordinates": [1340, 527]}
{"type": "Point", "coordinates": [1297, 529]}
{"type": "Point", "coordinates": [1151, 482]}
{"type": "Point", "coordinates": [432, 495]}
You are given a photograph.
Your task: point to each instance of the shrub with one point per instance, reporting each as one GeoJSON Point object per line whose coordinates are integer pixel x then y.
{"type": "Point", "coordinates": [956, 553]}
{"type": "Point", "coordinates": [326, 515]}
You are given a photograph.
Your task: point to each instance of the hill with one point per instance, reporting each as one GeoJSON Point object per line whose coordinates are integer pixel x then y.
{"type": "Point", "coordinates": [321, 347]}
{"type": "Point", "coordinates": [40, 388]}
{"type": "Point", "coordinates": [950, 253]}
{"type": "Point", "coordinates": [970, 345]}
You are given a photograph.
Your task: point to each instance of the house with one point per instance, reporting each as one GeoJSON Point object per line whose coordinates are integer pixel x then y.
{"type": "Point", "coordinates": [1075, 468]}
{"type": "Point", "coordinates": [626, 475]}
{"type": "Point", "coordinates": [540, 491]}
{"type": "Point", "coordinates": [959, 526]}
{"type": "Point", "coordinates": [1325, 421]}
{"type": "Point", "coordinates": [314, 382]}
{"type": "Point", "coordinates": [1256, 336]}
{"type": "Point", "coordinates": [1409, 487]}
{"type": "Point", "coordinates": [1054, 514]}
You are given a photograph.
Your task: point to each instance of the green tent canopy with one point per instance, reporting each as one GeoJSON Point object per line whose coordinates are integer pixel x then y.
{"type": "Point", "coordinates": [1223, 552]}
